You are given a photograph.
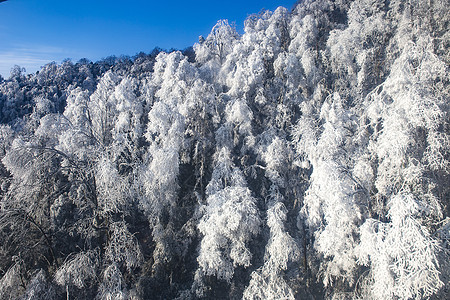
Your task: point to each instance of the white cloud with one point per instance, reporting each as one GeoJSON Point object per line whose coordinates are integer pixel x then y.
{"type": "Point", "coordinates": [32, 58]}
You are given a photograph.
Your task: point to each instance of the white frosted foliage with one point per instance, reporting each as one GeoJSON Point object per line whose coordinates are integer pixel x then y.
{"type": "Point", "coordinates": [78, 269]}
{"type": "Point", "coordinates": [329, 206]}
{"type": "Point", "coordinates": [401, 253]}
{"type": "Point", "coordinates": [123, 248]}
{"type": "Point", "coordinates": [230, 220]}
{"type": "Point", "coordinates": [267, 282]}
{"type": "Point", "coordinates": [112, 187]}
{"type": "Point", "coordinates": [112, 287]}
{"type": "Point", "coordinates": [10, 282]}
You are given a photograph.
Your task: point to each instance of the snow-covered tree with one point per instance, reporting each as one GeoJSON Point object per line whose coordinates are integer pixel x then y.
{"type": "Point", "coordinates": [102, 108]}
{"type": "Point", "coordinates": [10, 283]}
{"type": "Point", "coordinates": [78, 270]}
{"type": "Point", "coordinates": [123, 248]}
{"type": "Point", "coordinates": [218, 44]}
{"type": "Point", "coordinates": [401, 253]}
{"type": "Point", "coordinates": [330, 207]}
{"type": "Point", "coordinates": [229, 221]}
{"type": "Point", "coordinates": [112, 286]}
{"type": "Point", "coordinates": [267, 282]}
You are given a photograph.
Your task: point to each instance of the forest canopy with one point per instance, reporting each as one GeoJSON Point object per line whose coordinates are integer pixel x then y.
{"type": "Point", "coordinates": [307, 158]}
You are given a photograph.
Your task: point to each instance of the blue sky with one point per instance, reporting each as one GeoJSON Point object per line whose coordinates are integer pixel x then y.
{"type": "Point", "coordinates": [33, 33]}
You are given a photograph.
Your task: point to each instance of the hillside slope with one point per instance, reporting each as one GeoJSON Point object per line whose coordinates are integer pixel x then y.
{"type": "Point", "coordinates": [305, 159]}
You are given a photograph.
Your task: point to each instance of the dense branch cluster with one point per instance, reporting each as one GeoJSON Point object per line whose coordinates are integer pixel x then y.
{"type": "Point", "coordinates": [307, 158]}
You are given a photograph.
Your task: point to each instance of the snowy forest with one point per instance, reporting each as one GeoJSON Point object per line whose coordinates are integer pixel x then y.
{"type": "Point", "coordinates": [306, 158]}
